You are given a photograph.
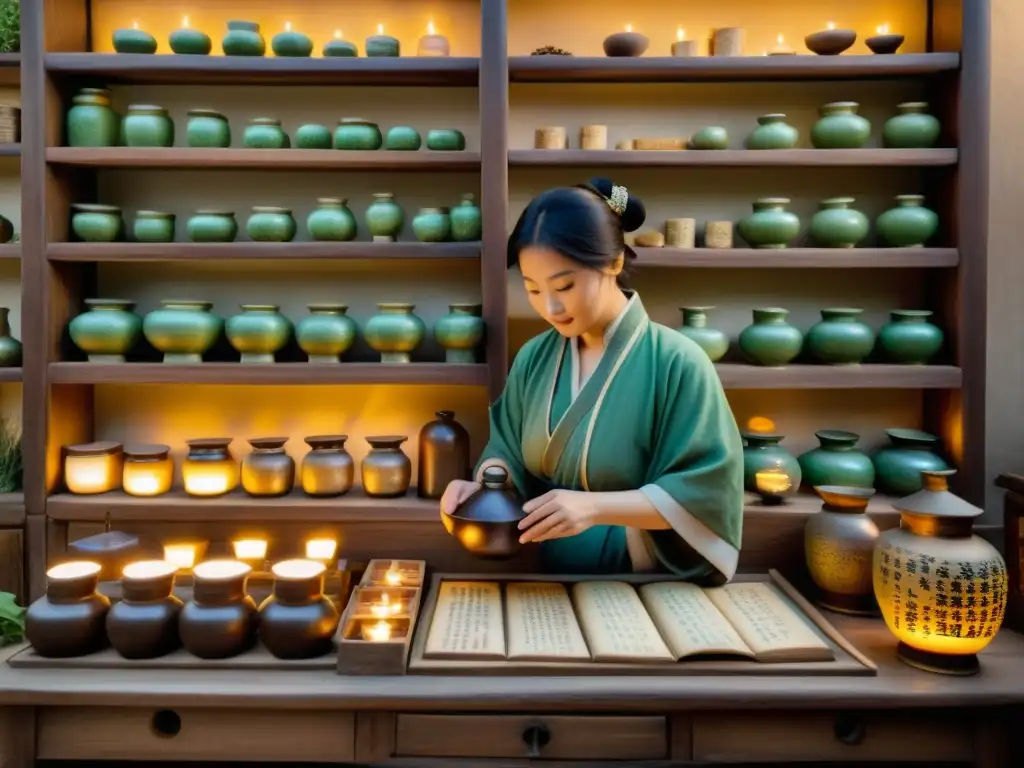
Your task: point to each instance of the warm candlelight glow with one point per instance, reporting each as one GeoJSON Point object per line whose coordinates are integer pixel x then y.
{"type": "Point", "coordinates": [380, 29]}
{"type": "Point", "coordinates": [321, 549]}
{"type": "Point", "coordinates": [385, 607]}
{"type": "Point", "coordinates": [135, 25]}
{"type": "Point", "coordinates": [250, 549]}
{"type": "Point", "coordinates": [392, 576]}
{"type": "Point", "coordinates": [221, 569]}
{"type": "Point", "coordinates": [93, 473]}
{"type": "Point", "coordinates": [831, 25]}
{"type": "Point", "coordinates": [629, 27]}
{"type": "Point", "coordinates": [139, 484]}
{"type": "Point", "coordinates": [773, 481]}
{"type": "Point", "coordinates": [337, 34]}
{"type": "Point", "coordinates": [761, 424]}
{"type": "Point", "coordinates": [430, 28]}
{"type": "Point", "coordinates": [148, 569]}
{"type": "Point", "coordinates": [297, 569]}
{"type": "Point", "coordinates": [73, 570]}
{"type": "Point", "coordinates": [680, 34]}
{"type": "Point", "coordinates": [287, 26]}
{"type": "Point", "coordinates": [378, 633]}
{"type": "Point", "coordinates": [882, 30]}
{"type": "Point", "coordinates": [182, 555]}
{"type": "Point", "coordinates": [184, 22]}
{"type": "Point", "coordinates": [780, 40]}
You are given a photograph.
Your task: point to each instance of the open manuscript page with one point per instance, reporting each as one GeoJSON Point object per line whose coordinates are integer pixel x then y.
{"type": "Point", "coordinates": [541, 623]}
{"type": "Point", "coordinates": [467, 622]}
{"type": "Point", "coordinates": [689, 621]}
{"type": "Point", "coordinates": [616, 624]}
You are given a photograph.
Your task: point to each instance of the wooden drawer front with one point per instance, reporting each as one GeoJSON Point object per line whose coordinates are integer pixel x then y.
{"type": "Point", "coordinates": [528, 736]}
{"type": "Point", "coordinates": [853, 736]}
{"type": "Point", "coordinates": [119, 733]}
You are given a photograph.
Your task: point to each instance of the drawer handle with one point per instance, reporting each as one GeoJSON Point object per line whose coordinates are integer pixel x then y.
{"type": "Point", "coordinates": [850, 731]}
{"type": "Point", "coordinates": [535, 737]}
{"type": "Point", "coordinates": [166, 723]}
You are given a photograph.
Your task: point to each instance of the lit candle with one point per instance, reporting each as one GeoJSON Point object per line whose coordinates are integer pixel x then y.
{"type": "Point", "coordinates": [93, 467]}
{"type": "Point", "coordinates": [884, 41]}
{"type": "Point", "coordinates": [291, 44]}
{"type": "Point", "coordinates": [772, 484]}
{"type": "Point", "coordinates": [339, 47]}
{"type": "Point", "coordinates": [321, 549]}
{"type": "Point", "coordinates": [148, 470]}
{"type": "Point", "coordinates": [392, 577]}
{"type": "Point", "coordinates": [433, 44]}
{"type": "Point", "coordinates": [190, 41]}
{"type": "Point", "coordinates": [383, 45]}
{"type": "Point", "coordinates": [683, 47]}
{"type": "Point", "coordinates": [378, 632]}
{"type": "Point", "coordinates": [781, 49]}
{"type": "Point", "coordinates": [183, 556]}
{"type": "Point", "coordinates": [385, 607]}
{"type": "Point", "coordinates": [134, 40]}
{"type": "Point", "coordinates": [252, 552]}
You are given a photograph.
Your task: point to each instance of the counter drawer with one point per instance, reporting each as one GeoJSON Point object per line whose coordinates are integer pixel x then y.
{"type": "Point", "coordinates": [563, 737]}
{"type": "Point", "coordinates": [144, 733]}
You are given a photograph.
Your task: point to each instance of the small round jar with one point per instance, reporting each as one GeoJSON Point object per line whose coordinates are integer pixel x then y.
{"type": "Point", "coordinates": [386, 470]}
{"type": "Point", "coordinates": [446, 140]}
{"type": "Point", "coordinates": [384, 218]}
{"type": "Point", "coordinates": [327, 333]}
{"type": "Point", "coordinates": [220, 620]}
{"type": "Point", "coordinates": [186, 41]}
{"type": "Point", "coordinates": [467, 221]}
{"type": "Point", "coordinates": [265, 133]}
{"type": "Point", "coordinates": [243, 39]}
{"type": "Point", "coordinates": [770, 225]}
{"type": "Point", "coordinates": [148, 470]}
{"type": "Point", "coordinates": [840, 127]}
{"type": "Point", "coordinates": [840, 339]}
{"type": "Point", "coordinates": [395, 332]}
{"type": "Point", "coordinates": [714, 342]}
{"type": "Point", "coordinates": [332, 220]}
{"type": "Point", "coordinates": [403, 138]}
{"type": "Point", "coordinates": [773, 132]}
{"type": "Point", "coordinates": [208, 225]}
{"type": "Point", "coordinates": [297, 621]}
{"type": "Point", "coordinates": [910, 338]}
{"type": "Point", "coordinates": [764, 452]}
{"type": "Point", "coordinates": [268, 224]}
{"type": "Point", "coordinates": [909, 224]}
{"type": "Point", "coordinates": [899, 465]}
{"type": "Point", "coordinates": [10, 348]}
{"type": "Point", "coordinates": [153, 227]}
{"type": "Point", "coordinates": [460, 332]}
{"type": "Point", "coordinates": [91, 122]}
{"type": "Point", "coordinates": [182, 329]}
{"type": "Point", "coordinates": [258, 332]}
{"type": "Point", "coordinates": [837, 225]}
{"type": "Point", "coordinates": [837, 461]}
{"type": "Point", "coordinates": [148, 126]}
{"type": "Point", "coordinates": [144, 623]}
{"type": "Point", "coordinates": [291, 44]}
{"type": "Point", "coordinates": [709, 138]}
{"type": "Point", "coordinates": [313, 136]}
{"type": "Point", "coordinates": [268, 471]}
{"type": "Point", "coordinates": [770, 341]}
{"type": "Point", "coordinates": [328, 469]}
{"type": "Point", "coordinates": [93, 468]}
{"type": "Point", "coordinates": [133, 41]}
{"type": "Point", "coordinates": [912, 128]}
{"type": "Point", "coordinates": [208, 129]}
{"type": "Point", "coordinates": [357, 133]}
{"type": "Point", "coordinates": [107, 331]}
{"type": "Point", "coordinates": [209, 469]}
{"type": "Point", "coordinates": [70, 619]}
{"type": "Point", "coordinates": [6, 230]}
{"type": "Point", "coordinates": [432, 225]}
{"type": "Point", "coordinates": [94, 223]}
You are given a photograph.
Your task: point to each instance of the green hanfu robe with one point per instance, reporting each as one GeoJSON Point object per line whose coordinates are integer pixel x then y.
{"type": "Point", "coordinates": [653, 416]}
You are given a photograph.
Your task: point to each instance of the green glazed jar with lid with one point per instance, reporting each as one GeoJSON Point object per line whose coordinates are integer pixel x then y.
{"type": "Point", "coordinates": [92, 122]}
{"type": "Point", "coordinates": [912, 128]}
{"type": "Point", "coordinates": [356, 133]}
{"type": "Point", "coordinates": [770, 341]}
{"type": "Point", "coordinates": [148, 126]}
{"type": "Point", "coordinates": [183, 329]}
{"type": "Point", "coordinates": [403, 138]}
{"type": "Point", "coordinates": [258, 332]}
{"type": "Point", "coordinates": [773, 132]}
{"type": "Point", "coordinates": [840, 127]}
{"type": "Point", "coordinates": [332, 220]}
{"type": "Point", "coordinates": [446, 140]}
{"type": "Point", "coordinates": [94, 223]}
{"type": "Point", "coordinates": [107, 331]}
{"type": "Point", "coordinates": [212, 226]}
{"type": "Point", "coordinates": [326, 333]}
{"type": "Point", "coordinates": [207, 128]}
{"type": "Point", "coordinates": [243, 39]}
{"type": "Point", "coordinates": [467, 222]}
{"type": "Point", "coordinates": [432, 225]}
{"type": "Point", "coordinates": [153, 227]}
{"type": "Point", "coordinates": [910, 338]}
{"type": "Point", "coordinates": [313, 136]}
{"type": "Point", "coordinates": [268, 224]}
{"type": "Point", "coordinates": [265, 133]}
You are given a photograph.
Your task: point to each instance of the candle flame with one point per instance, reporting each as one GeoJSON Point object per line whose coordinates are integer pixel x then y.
{"type": "Point", "coordinates": [135, 25]}
{"type": "Point", "coordinates": [181, 555]}
{"type": "Point", "coordinates": [680, 34]}
{"type": "Point", "coordinates": [337, 34]}
{"type": "Point", "coordinates": [883, 29]}
{"type": "Point", "coordinates": [380, 29]}
{"type": "Point", "coordinates": [430, 28]}
{"type": "Point", "coordinates": [184, 22]}
{"type": "Point", "coordinates": [379, 632]}
{"type": "Point", "coordinates": [780, 40]}
{"type": "Point", "coordinates": [831, 25]}
{"type": "Point", "coordinates": [392, 576]}
{"type": "Point", "coordinates": [287, 26]}
{"type": "Point", "coordinates": [629, 27]}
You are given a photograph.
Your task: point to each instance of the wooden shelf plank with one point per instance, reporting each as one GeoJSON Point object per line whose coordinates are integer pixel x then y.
{"type": "Point", "coordinates": [10, 374]}
{"type": "Point", "coordinates": [264, 159]}
{"type": "Point", "coordinates": [868, 376]}
{"type": "Point", "coordinates": [10, 70]}
{"type": "Point", "coordinates": [10, 251]}
{"type": "Point", "coordinates": [160, 252]}
{"type": "Point", "coordinates": [734, 158]}
{"type": "Point", "coordinates": [269, 374]}
{"type": "Point", "coordinates": [242, 70]}
{"type": "Point", "coordinates": [12, 149]}
{"type": "Point", "coordinates": [12, 509]}
{"type": "Point", "coordinates": [652, 69]}
{"type": "Point", "coordinates": [797, 258]}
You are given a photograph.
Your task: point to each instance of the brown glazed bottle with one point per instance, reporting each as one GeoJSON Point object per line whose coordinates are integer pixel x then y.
{"type": "Point", "coordinates": [386, 470]}
{"type": "Point", "coordinates": [328, 469]}
{"type": "Point", "coordinates": [144, 624]}
{"type": "Point", "coordinates": [268, 470]}
{"type": "Point", "coordinates": [297, 621]}
{"type": "Point", "coordinates": [69, 619]}
{"type": "Point", "coordinates": [444, 455]}
{"type": "Point", "coordinates": [220, 620]}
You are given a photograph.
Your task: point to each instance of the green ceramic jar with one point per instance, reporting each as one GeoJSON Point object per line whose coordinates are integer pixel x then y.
{"type": "Point", "coordinates": [446, 140]}
{"type": "Point", "coordinates": [291, 44]}
{"type": "Point", "coordinates": [326, 333]}
{"type": "Point", "coordinates": [460, 332]}
{"type": "Point", "coordinates": [385, 218]}
{"type": "Point", "coordinates": [432, 225]}
{"type": "Point", "coordinates": [898, 467]}
{"type": "Point", "coordinates": [467, 221]}
{"type": "Point", "coordinates": [190, 42]}
{"type": "Point", "coordinates": [258, 332]}
{"type": "Point", "coordinates": [183, 330]}
{"type": "Point", "coordinates": [909, 224]}
{"type": "Point", "coordinates": [313, 136]}
{"type": "Point", "coordinates": [394, 332]}
{"type": "Point", "coordinates": [912, 128]}
{"type": "Point", "coordinates": [207, 128]}
{"type": "Point", "coordinates": [10, 348]}
{"type": "Point", "coordinates": [212, 226]}
{"type": "Point", "coordinates": [107, 331]}
{"type": "Point", "coordinates": [773, 132]}
{"type": "Point", "coordinates": [91, 122]}
{"type": "Point", "coordinates": [356, 133]}
{"type": "Point", "coordinates": [770, 341]}
{"type": "Point", "coordinates": [403, 138]}
{"type": "Point", "coordinates": [712, 137]}
{"type": "Point", "coordinates": [148, 126]}
{"type": "Point", "coordinates": [268, 224]}
{"type": "Point", "coordinates": [714, 342]}
{"type": "Point", "coordinates": [909, 338]}
{"type": "Point", "coordinates": [332, 220]}
{"type": "Point", "coordinates": [840, 127]}
{"type": "Point", "coordinates": [243, 39]}
{"type": "Point", "coordinates": [770, 225]}
{"type": "Point", "coordinates": [763, 452]}
{"type": "Point", "coordinates": [133, 41]}
{"type": "Point", "coordinates": [93, 223]}
{"type": "Point", "coordinates": [265, 133]}
{"type": "Point", "coordinates": [840, 339]}
{"type": "Point", "coordinates": [837, 461]}
{"type": "Point", "coordinates": [837, 225]}
{"type": "Point", "coordinates": [153, 227]}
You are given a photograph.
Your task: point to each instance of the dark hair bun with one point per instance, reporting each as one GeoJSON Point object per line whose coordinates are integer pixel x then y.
{"type": "Point", "coordinates": [635, 214]}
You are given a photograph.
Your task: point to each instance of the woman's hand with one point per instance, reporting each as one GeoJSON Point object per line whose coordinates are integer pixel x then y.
{"type": "Point", "coordinates": [457, 492]}
{"type": "Point", "coordinates": [557, 514]}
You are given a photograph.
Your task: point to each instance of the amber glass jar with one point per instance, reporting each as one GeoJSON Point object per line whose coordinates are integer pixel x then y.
{"type": "Point", "coordinates": [148, 470]}
{"type": "Point", "coordinates": [268, 470]}
{"type": "Point", "coordinates": [209, 469]}
{"type": "Point", "coordinates": [93, 467]}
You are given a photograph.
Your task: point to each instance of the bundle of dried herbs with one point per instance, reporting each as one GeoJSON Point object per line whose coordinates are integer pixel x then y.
{"type": "Point", "coordinates": [10, 458]}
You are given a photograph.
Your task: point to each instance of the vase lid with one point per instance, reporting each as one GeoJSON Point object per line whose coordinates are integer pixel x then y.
{"type": "Point", "coordinates": [155, 214]}
{"type": "Point", "coordinates": [155, 451]}
{"type": "Point", "coordinates": [841, 498]}
{"type": "Point", "coordinates": [268, 443]}
{"type": "Point", "coordinates": [935, 499]}
{"type": "Point", "coordinates": [386, 441]}
{"type": "Point", "coordinates": [326, 441]}
{"type": "Point", "coordinates": [101, 448]}
{"type": "Point", "coordinates": [187, 303]}
{"type": "Point", "coordinates": [209, 442]}
{"type": "Point", "coordinates": [205, 113]}
{"type": "Point", "coordinates": [493, 503]}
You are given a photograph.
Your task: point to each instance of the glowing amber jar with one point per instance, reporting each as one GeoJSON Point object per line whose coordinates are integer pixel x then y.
{"type": "Point", "coordinates": [148, 470]}
{"type": "Point", "coordinates": [93, 467]}
{"type": "Point", "coordinates": [209, 469]}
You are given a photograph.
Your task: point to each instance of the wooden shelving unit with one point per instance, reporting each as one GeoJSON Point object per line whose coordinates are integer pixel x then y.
{"type": "Point", "coordinates": [794, 258]}
{"type": "Point", "coordinates": [10, 251]}
{"type": "Point", "coordinates": [135, 252]}
{"type": "Point", "coordinates": [730, 158]}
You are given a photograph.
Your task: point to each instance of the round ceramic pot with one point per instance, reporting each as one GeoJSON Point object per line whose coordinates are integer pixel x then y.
{"type": "Point", "coordinates": [763, 453]}
{"type": "Point", "coordinates": [446, 140]}
{"type": "Point", "coordinates": [107, 331]}
{"type": "Point", "coordinates": [212, 226]}
{"type": "Point", "coordinates": [840, 339]}
{"type": "Point", "coordinates": [898, 467]}
{"type": "Point", "coordinates": [268, 471]}
{"type": "Point", "coordinates": [190, 42]}
{"type": "Point", "coordinates": [770, 341]}
{"type": "Point", "coordinates": [243, 39]}
{"type": "Point", "coordinates": [148, 470]}
{"type": "Point", "coordinates": [912, 128]}
{"type": "Point", "coordinates": [327, 333]}
{"type": "Point", "coordinates": [837, 225]}
{"type": "Point", "coordinates": [297, 621]}
{"type": "Point", "coordinates": [332, 220]}
{"type": "Point", "coordinates": [265, 133]}
{"type": "Point", "coordinates": [443, 455]}
{"type": "Point", "coordinates": [268, 224]}
{"type": "Point", "coordinates": [773, 132]}
{"type": "Point", "coordinates": [153, 227]}
{"type": "Point", "coordinates": [356, 133]}
{"type": "Point", "coordinates": [220, 620]}
{"type": "Point", "coordinates": [467, 221]}
{"type": "Point", "coordinates": [93, 223]}
{"type": "Point", "coordinates": [69, 620]}
{"type": "Point", "coordinates": [460, 332]}
{"type": "Point", "coordinates": [148, 126]}
{"type": "Point", "coordinates": [394, 332]}
{"type": "Point", "coordinates": [384, 217]}
{"type": "Point", "coordinates": [432, 225]}
{"type": "Point", "coordinates": [258, 332]}
{"type": "Point", "coordinates": [487, 523]}
{"type": "Point", "coordinates": [209, 469]}
{"type": "Point", "coordinates": [10, 348]}
{"type": "Point", "coordinates": [207, 128]}
{"type": "Point", "coordinates": [715, 343]}
{"type": "Point", "coordinates": [291, 44]}
{"type": "Point", "coordinates": [313, 136]}
{"type": "Point", "coordinates": [403, 138]}
{"type": "Point", "coordinates": [143, 624]}
{"type": "Point", "coordinates": [909, 338]}
{"type": "Point", "coordinates": [909, 224]}
{"type": "Point", "coordinates": [837, 461]}
{"type": "Point", "coordinates": [770, 225]}
{"type": "Point", "coordinates": [183, 330]}
{"type": "Point", "coordinates": [386, 470]}
{"type": "Point", "coordinates": [838, 546]}
{"type": "Point", "coordinates": [91, 122]}
{"type": "Point", "coordinates": [133, 41]}
{"type": "Point", "coordinates": [328, 469]}
{"type": "Point", "coordinates": [840, 127]}
{"type": "Point", "coordinates": [6, 230]}
{"type": "Point", "coordinates": [712, 137]}
{"type": "Point", "coordinates": [337, 48]}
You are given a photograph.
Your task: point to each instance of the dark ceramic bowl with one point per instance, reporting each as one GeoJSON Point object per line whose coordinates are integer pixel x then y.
{"type": "Point", "coordinates": [626, 44]}
{"type": "Point", "coordinates": [830, 42]}
{"type": "Point", "coordinates": [883, 44]}
{"type": "Point", "coordinates": [484, 538]}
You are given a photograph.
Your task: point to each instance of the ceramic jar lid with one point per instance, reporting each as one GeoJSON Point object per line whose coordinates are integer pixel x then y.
{"type": "Point", "coordinates": [102, 448]}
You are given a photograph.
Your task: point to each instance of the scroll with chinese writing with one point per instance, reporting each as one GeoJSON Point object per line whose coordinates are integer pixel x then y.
{"type": "Point", "coordinates": [541, 623]}
{"type": "Point", "coordinates": [467, 622]}
{"type": "Point", "coordinates": [616, 624]}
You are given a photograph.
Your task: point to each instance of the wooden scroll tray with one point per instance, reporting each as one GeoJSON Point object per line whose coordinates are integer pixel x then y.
{"type": "Point", "coordinates": [847, 661]}
{"type": "Point", "coordinates": [258, 658]}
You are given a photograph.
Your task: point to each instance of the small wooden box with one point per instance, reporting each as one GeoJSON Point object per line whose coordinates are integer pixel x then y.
{"type": "Point", "coordinates": [358, 655]}
{"type": "Point", "coordinates": [410, 573]}
{"type": "Point", "coordinates": [1013, 528]}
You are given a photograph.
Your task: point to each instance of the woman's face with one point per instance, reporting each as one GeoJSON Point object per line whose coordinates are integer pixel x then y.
{"type": "Point", "coordinates": [569, 295]}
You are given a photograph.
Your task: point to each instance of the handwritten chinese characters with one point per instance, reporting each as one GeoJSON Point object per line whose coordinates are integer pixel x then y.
{"type": "Point", "coordinates": [541, 623]}
{"type": "Point", "coordinates": [615, 623]}
{"type": "Point", "coordinates": [467, 622]}
{"type": "Point", "coordinates": [689, 621]}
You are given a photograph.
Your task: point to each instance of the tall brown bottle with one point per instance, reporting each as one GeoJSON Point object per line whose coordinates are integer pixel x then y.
{"type": "Point", "coordinates": [444, 455]}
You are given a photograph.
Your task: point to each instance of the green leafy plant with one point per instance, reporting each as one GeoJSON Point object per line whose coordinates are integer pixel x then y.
{"type": "Point", "coordinates": [10, 458]}
{"type": "Point", "coordinates": [10, 26]}
{"type": "Point", "coordinates": [12, 620]}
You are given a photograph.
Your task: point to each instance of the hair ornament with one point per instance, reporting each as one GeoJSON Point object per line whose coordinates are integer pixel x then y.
{"type": "Point", "coordinates": [619, 199]}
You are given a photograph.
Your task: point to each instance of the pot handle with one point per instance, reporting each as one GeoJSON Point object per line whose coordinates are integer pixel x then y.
{"type": "Point", "coordinates": [535, 736]}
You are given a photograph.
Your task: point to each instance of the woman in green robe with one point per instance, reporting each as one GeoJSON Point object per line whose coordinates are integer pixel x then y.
{"type": "Point", "coordinates": [616, 429]}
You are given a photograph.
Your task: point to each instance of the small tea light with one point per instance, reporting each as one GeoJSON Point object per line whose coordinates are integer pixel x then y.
{"type": "Point", "coordinates": [188, 41]}
{"type": "Point", "coordinates": [781, 49]}
{"type": "Point", "coordinates": [321, 550]}
{"type": "Point", "coordinates": [377, 632]}
{"type": "Point", "coordinates": [884, 41]}
{"type": "Point", "coordinates": [134, 40]}
{"type": "Point", "coordinates": [183, 556]}
{"type": "Point", "coordinates": [393, 577]}
{"type": "Point", "coordinates": [145, 570]}
{"type": "Point", "coordinates": [148, 470]}
{"type": "Point", "coordinates": [383, 45]}
{"type": "Point", "coordinates": [683, 47]}
{"type": "Point", "coordinates": [291, 44]}
{"type": "Point", "coordinates": [252, 552]}
{"type": "Point", "coordinates": [337, 47]}
{"type": "Point", "coordinates": [433, 44]}
{"type": "Point", "coordinates": [385, 607]}
{"type": "Point", "coordinates": [93, 467]}
{"type": "Point", "coordinates": [772, 485]}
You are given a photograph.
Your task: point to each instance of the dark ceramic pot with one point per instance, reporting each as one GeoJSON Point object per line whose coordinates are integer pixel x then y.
{"type": "Point", "coordinates": [221, 619]}
{"type": "Point", "coordinates": [144, 624]}
{"type": "Point", "coordinates": [268, 470]}
{"type": "Point", "coordinates": [836, 461]}
{"type": "Point", "coordinates": [487, 523]}
{"type": "Point", "coordinates": [69, 619]}
{"type": "Point", "coordinates": [328, 469]}
{"type": "Point", "coordinates": [444, 455]}
{"type": "Point", "coordinates": [386, 470]}
{"type": "Point", "coordinates": [297, 621]}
